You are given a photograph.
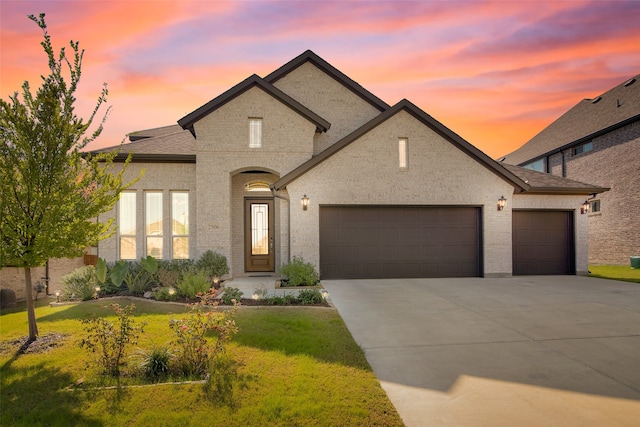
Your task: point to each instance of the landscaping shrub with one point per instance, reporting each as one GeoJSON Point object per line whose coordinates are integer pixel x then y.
{"type": "Point", "coordinates": [80, 283]}
{"type": "Point", "coordinates": [231, 294]}
{"type": "Point", "coordinates": [212, 264]}
{"type": "Point", "coordinates": [193, 283]}
{"type": "Point", "coordinates": [285, 299]}
{"type": "Point", "coordinates": [155, 362]}
{"type": "Point", "coordinates": [111, 340]}
{"type": "Point", "coordinates": [309, 296]}
{"type": "Point", "coordinates": [141, 275]}
{"type": "Point", "coordinates": [194, 352]}
{"type": "Point", "coordinates": [170, 271]}
{"type": "Point", "coordinates": [299, 272]}
{"type": "Point", "coordinates": [165, 294]}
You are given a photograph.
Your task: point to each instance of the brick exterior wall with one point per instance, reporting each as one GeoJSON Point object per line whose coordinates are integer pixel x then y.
{"type": "Point", "coordinates": [614, 162]}
{"type": "Point", "coordinates": [366, 172]}
{"type": "Point", "coordinates": [13, 278]}
{"type": "Point", "coordinates": [326, 97]}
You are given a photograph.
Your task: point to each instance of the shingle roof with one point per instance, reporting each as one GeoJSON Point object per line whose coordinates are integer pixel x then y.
{"type": "Point", "coordinates": [172, 144]}
{"type": "Point", "coordinates": [545, 183]}
{"type": "Point", "coordinates": [188, 121]}
{"type": "Point", "coordinates": [425, 118]}
{"type": "Point", "coordinates": [587, 120]}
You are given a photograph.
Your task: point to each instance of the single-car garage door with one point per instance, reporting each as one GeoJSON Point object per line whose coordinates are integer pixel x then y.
{"type": "Point", "coordinates": [364, 242]}
{"type": "Point", "coordinates": [543, 242]}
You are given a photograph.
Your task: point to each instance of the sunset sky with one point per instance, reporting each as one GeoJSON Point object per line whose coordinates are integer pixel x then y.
{"type": "Point", "coordinates": [495, 72]}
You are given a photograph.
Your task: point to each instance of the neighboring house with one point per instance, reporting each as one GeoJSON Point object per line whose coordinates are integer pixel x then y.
{"type": "Point", "coordinates": [598, 141]}
{"type": "Point", "coordinates": [306, 162]}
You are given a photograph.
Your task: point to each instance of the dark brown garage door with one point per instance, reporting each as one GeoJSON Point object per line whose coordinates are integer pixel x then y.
{"type": "Point", "coordinates": [543, 242]}
{"type": "Point", "coordinates": [363, 242]}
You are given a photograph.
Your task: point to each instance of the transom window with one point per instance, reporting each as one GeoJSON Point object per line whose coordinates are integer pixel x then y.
{"type": "Point", "coordinates": [257, 186]}
{"type": "Point", "coordinates": [255, 132]}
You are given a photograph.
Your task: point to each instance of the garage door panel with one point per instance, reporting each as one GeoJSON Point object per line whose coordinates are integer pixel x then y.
{"type": "Point", "coordinates": [399, 241]}
{"type": "Point", "coordinates": [543, 243]}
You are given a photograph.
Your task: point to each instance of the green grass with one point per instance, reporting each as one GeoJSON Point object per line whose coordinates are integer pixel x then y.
{"type": "Point", "coordinates": [297, 366]}
{"type": "Point", "coordinates": [615, 272]}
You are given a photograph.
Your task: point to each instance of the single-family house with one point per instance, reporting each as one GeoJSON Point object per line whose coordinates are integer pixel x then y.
{"type": "Point", "coordinates": [306, 162]}
{"type": "Point", "coordinates": [597, 141]}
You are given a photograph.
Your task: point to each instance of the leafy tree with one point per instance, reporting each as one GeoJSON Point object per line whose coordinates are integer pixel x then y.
{"type": "Point", "coordinates": [51, 193]}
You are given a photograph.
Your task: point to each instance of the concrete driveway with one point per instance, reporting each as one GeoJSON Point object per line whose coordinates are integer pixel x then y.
{"type": "Point", "coordinates": [523, 351]}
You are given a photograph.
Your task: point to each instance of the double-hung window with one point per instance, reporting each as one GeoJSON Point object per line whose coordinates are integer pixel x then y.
{"type": "Point", "coordinates": [153, 223]}
{"type": "Point", "coordinates": [179, 225]}
{"type": "Point", "coordinates": [127, 225]}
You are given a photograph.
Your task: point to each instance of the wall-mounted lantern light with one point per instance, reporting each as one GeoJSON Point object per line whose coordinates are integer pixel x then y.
{"type": "Point", "coordinates": [584, 208]}
{"type": "Point", "coordinates": [305, 202]}
{"type": "Point", "coordinates": [501, 203]}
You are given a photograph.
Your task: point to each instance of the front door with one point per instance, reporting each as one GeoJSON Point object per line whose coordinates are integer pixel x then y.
{"type": "Point", "coordinates": [258, 235]}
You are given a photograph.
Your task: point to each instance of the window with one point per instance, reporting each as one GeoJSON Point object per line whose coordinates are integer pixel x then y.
{"type": "Point", "coordinates": [179, 225]}
{"type": "Point", "coordinates": [127, 225]}
{"type": "Point", "coordinates": [153, 223]}
{"type": "Point", "coordinates": [594, 206]}
{"type": "Point", "coordinates": [539, 165]}
{"type": "Point", "coordinates": [402, 153]}
{"type": "Point", "coordinates": [583, 148]}
{"type": "Point", "coordinates": [255, 133]}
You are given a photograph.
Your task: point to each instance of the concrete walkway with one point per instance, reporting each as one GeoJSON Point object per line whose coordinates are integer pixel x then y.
{"type": "Point", "coordinates": [525, 351]}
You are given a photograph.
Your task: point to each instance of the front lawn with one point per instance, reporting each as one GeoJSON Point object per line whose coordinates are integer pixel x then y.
{"type": "Point", "coordinates": [296, 366]}
{"type": "Point", "coordinates": [615, 272]}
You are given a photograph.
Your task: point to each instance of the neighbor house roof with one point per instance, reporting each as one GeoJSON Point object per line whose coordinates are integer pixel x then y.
{"type": "Point", "coordinates": [190, 119]}
{"type": "Point", "coordinates": [546, 183]}
{"type": "Point", "coordinates": [426, 119]}
{"type": "Point", "coordinates": [339, 76]}
{"type": "Point", "coordinates": [588, 119]}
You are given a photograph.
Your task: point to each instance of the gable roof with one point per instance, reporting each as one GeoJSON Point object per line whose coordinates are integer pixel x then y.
{"type": "Point", "coordinates": [189, 120]}
{"type": "Point", "coordinates": [590, 118]}
{"type": "Point", "coordinates": [339, 76]}
{"type": "Point", "coordinates": [546, 183]}
{"type": "Point", "coordinates": [423, 117]}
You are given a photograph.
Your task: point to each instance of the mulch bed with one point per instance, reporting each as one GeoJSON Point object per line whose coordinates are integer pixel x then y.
{"type": "Point", "coordinates": [42, 344]}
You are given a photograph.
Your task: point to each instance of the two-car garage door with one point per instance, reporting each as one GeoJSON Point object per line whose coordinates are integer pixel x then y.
{"type": "Point", "coordinates": [362, 242]}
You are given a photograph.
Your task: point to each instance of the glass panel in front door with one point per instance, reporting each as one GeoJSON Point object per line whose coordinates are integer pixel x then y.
{"type": "Point", "coordinates": [260, 229]}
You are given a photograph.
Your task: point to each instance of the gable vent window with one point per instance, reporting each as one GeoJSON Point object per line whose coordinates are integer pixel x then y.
{"type": "Point", "coordinates": [255, 133]}
{"type": "Point", "coordinates": [403, 153]}
{"type": "Point", "coordinates": [583, 148]}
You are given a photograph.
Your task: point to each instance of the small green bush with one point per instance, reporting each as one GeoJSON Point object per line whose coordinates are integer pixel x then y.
{"type": "Point", "coordinates": [285, 299]}
{"type": "Point", "coordinates": [170, 272]}
{"type": "Point", "coordinates": [309, 296]}
{"type": "Point", "coordinates": [212, 264]}
{"type": "Point", "coordinates": [165, 294]}
{"type": "Point", "coordinates": [80, 283]}
{"type": "Point", "coordinates": [155, 362]}
{"type": "Point", "coordinates": [299, 272]}
{"type": "Point", "coordinates": [192, 283]}
{"type": "Point", "coordinates": [231, 294]}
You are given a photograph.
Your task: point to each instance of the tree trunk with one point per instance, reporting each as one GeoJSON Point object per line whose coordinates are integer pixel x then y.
{"type": "Point", "coordinates": [31, 310]}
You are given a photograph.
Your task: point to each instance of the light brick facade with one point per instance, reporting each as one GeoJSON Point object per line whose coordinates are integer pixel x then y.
{"type": "Point", "coordinates": [331, 140]}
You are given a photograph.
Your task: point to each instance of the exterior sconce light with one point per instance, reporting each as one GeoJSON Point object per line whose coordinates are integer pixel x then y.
{"type": "Point", "coordinates": [305, 202]}
{"type": "Point", "coordinates": [584, 208]}
{"type": "Point", "coordinates": [501, 203]}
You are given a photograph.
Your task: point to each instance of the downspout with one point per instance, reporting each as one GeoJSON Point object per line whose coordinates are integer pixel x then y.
{"type": "Point", "coordinates": [274, 192]}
